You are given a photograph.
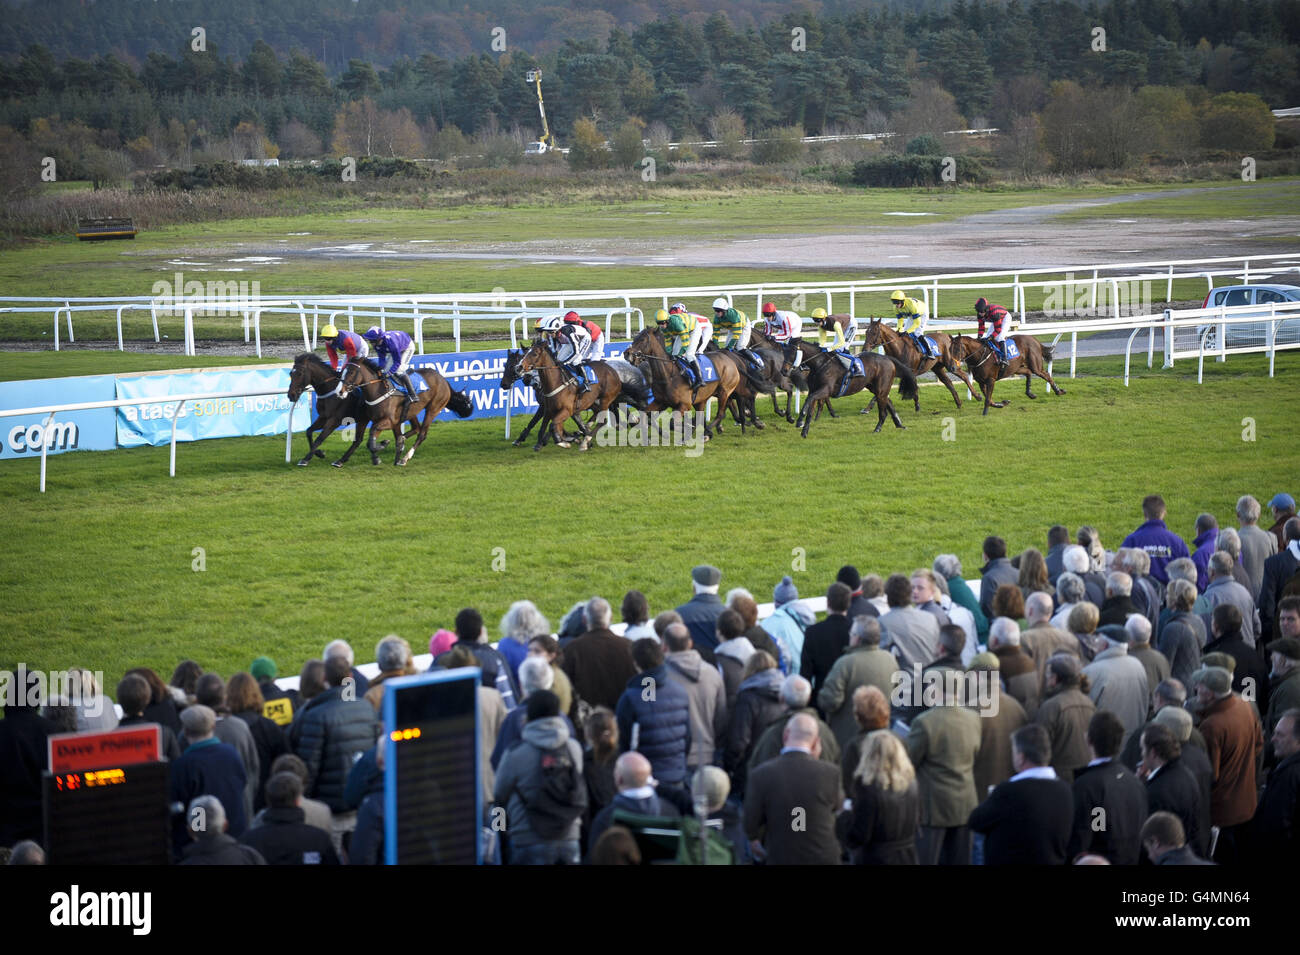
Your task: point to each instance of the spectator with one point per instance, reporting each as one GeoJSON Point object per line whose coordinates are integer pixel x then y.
{"type": "Point", "coordinates": [711, 787]}
{"type": "Point", "coordinates": [1279, 573]}
{"type": "Point", "coordinates": [788, 623]}
{"type": "Point", "coordinates": [498, 672]}
{"type": "Point", "coordinates": [208, 767]}
{"type": "Point", "coordinates": [61, 713]}
{"type": "Point", "coordinates": [23, 758]}
{"type": "Point", "coordinates": [1230, 543]}
{"type": "Point", "coordinates": [1065, 713]}
{"type": "Point", "coordinates": [858, 604]}
{"type": "Point", "coordinates": [94, 712]}
{"type": "Point", "coordinates": [285, 838]}
{"type": "Point", "coordinates": [534, 674]}
{"type": "Point", "coordinates": [207, 825]}
{"type": "Point", "coordinates": [865, 664]}
{"type": "Point", "coordinates": [162, 707]}
{"type": "Point", "coordinates": [796, 692]}
{"type": "Point", "coordinates": [1180, 569]}
{"type": "Point", "coordinates": [1070, 592]}
{"type": "Point", "coordinates": [997, 570]}
{"type": "Point", "coordinates": [599, 663]}
{"type": "Point", "coordinates": [796, 782]}
{"type": "Point", "coordinates": [492, 715]}
{"type": "Point", "coordinates": [654, 719]}
{"type": "Point", "coordinates": [573, 624]}
{"type": "Point", "coordinates": [882, 827]}
{"type": "Point", "coordinates": [926, 593]}
{"type": "Point", "coordinates": [264, 671]}
{"type": "Point", "coordinates": [942, 744]}
{"type": "Point", "coordinates": [544, 801]}
{"type": "Point", "coordinates": [331, 730]}
{"type": "Point", "coordinates": [185, 679]}
{"type": "Point", "coordinates": [952, 640]}
{"type": "Point", "coordinates": [1083, 625]}
{"type": "Point", "coordinates": [1234, 743]}
{"type": "Point", "coordinates": [311, 684]}
{"type": "Point", "coordinates": [26, 852]}
{"type": "Point", "coordinates": [1251, 671]}
{"type": "Point", "coordinates": [1017, 670]}
{"type": "Point", "coordinates": [1274, 832]}
{"type": "Point", "coordinates": [1165, 844]}
{"type": "Point", "coordinates": [617, 846]}
{"type": "Point", "coordinates": [1058, 538]}
{"type": "Point", "coordinates": [1119, 602]}
{"type": "Point", "coordinates": [1161, 544]}
{"type": "Point", "coordinates": [1182, 638]}
{"type": "Point", "coordinates": [1008, 601]}
{"type": "Point", "coordinates": [742, 601]}
{"type": "Point", "coordinates": [1147, 593]}
{"type": "Point", "coordinates": [1257, 545]}
{"type": "Point", "coordinates": [700, 613]}
{"type": "Point", "coordinates": [316, 813]}
{"type": "Point", "coordinates": [1098, 556]}
{"type": "Point", "coordinates": [1118, 682]}
{"type": "Point", "coordinates": [758, 703]}
{"type": "Point", "coordinates": [960, 617]}
{"type": "Point", "coordinates": [824, 642]}
{"type": "Point", "coordinates": [1154, 663]}
{"type": "Point", "coordinates": [1169, 693]}
{"type": "Point", "coordinates": [911, 635]}
{"type": "Point", "coordinates": [663, 621]}
{"type": "Point", "coordinates": [367, 845]}
{"type": "Point", "coordinates": [732, 653]}
{"type": "Point", "coordinates": [394, 658]}
{"type": "Point", "coordinates": [1040, 639]}
{"type": "Point", "coordinates": [1076, 561]}
{"type": "Point", "coordinates": [1033, 578]}
{"type": "Point", "coordinates": [521, 623]}
{"type": "Point", "coordinates": [635, 611]}
{"type": "Point", "coordinates": [548, 648]}
{"type": "Point", "coordinates": [341, 648]}
{"type": "Point", "coordinates": [1171, 788]}
{"type": "Point", "coordinates": [1027, 819]}
{"type": "Point", "coordinates": [1283, 507]}
{"type": "Point", "coordinates": [636, 794]}
{"type": "Point", "coordinates": [210, 691]}
{"type": "Point", "coordinates": [133, 695]}
{"type": "Point", "coordinates": [1179, 722]}
{"type": "Point", "coordinates": [705, 693]}
{"type": "Point", "coordinates": [1284, 672]}
{"type": "Point", "coordinates": [1223, 589]}
{"type": "Point", "coordinates": [1107, 785]}
{"type": "Point", "coordinates": [870, 713]}
{"type": "Point", "coordinates": [1002, 717]}
{"type": "Point", "coordinates": [598, 759]}
{"type": "Point", "coordinates": [245, 703]}
{"type": "Point", "coordinates": [948, 567]}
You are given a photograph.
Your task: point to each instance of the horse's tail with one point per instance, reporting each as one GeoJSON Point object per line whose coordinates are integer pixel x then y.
{"type": "Point", "coordinates": [1048, 352]}
{"type": "Point", "coordinates": [907, 381]}
{"type": "Point", "coordinates": [458, 402]}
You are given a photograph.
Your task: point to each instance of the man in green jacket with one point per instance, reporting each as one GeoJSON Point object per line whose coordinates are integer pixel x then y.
{"type": "Point", "coordinates": [943, 743]}
{"type": "Point", "coordinates": [863, 664]}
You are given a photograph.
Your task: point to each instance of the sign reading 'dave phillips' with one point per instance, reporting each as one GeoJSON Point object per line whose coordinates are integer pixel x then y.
{"type": "Point", "coordinates": [74, 752]}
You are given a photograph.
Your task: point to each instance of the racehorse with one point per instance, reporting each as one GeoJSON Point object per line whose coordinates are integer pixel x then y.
{"type": "Point", "coordinates": [897, 345]}
{"type": "Point", "coordinates": [769, 350]}
{"type": "Point", "coordinates": [983, 363]}
{"type": "Point", "coordinates": [671, 388]}
{"type": "Point", "coordinates": [383, 405]}
{"type": "Point", "coordinates": [557, 398]}
{"type": "Point", "coordinates": [312, 371]}
{"type": "Point", "coordinates": [750, 386]}
{"type": "Point", "coordinates": [826, 374]}
{"type": "Point", "coordinates": [632, 394]}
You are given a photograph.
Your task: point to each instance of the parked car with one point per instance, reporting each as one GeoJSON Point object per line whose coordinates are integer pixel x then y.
{"type": "Point", "coordinates": [1251, 333]}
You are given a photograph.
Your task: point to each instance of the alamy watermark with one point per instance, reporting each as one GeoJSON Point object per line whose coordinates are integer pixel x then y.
{"type": "Point", "coordinates": [171, 297]}
{"type": "Point", "coordinates": [973, 689]}
{"type": "Point", "coordinates": [671, 429]}
{"type": "Point", "coordinates": [22, 687]}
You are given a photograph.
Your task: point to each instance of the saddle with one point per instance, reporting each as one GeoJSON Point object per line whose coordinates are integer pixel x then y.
{"type": "Point", "coordinates": [588, 373]}
{"type": "Point", "coordinates": [855, 370]}
{"type": "Point", "coordinates": [930, 343]}
{"type": "Point", "coordinates": [706, 366]}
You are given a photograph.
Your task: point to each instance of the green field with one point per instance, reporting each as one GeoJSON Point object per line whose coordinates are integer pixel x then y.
{"type": "Point", "coordinates": [99, 570]}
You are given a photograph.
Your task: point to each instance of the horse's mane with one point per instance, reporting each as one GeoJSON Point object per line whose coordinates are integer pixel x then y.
{"type": "Point", "coordinates": [313, 358]}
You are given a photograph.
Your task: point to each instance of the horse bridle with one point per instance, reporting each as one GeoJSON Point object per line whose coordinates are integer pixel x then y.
{"type": "Point", "coordinates": [361, 386]}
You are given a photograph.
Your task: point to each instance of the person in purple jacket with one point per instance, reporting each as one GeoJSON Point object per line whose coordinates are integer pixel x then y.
{"type": "Point", "coordinates": [1162, 544]}
{"type": "Point", "coordinates": [393, 351]}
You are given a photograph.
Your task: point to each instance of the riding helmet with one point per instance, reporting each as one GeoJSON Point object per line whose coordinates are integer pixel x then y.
{"type": "Point", "coordinates": [981, 306]}
{"type": "Point", "coordinates": [720, 304]}
{"type": "Point", "coordinates": [329, 331]}
{"type": "Point", "coordinates": [898, 296]}
{"type": "Point", "coordinates": [819, 313]}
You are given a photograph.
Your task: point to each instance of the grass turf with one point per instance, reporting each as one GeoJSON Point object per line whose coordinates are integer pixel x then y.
{"type": "Point", "coordinates": [100, 571]}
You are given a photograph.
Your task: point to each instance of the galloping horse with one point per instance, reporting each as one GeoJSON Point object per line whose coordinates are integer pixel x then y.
{"type": "Point", "coordinates": [671, 388]}
{"type": "Point", "coordinates": [556, 398]}
{"type": "Point", "coordinates": [983, 363]}
{"type": "Point", "coordinates": [770, 351]}
{"type": "Point", "coordinates": [897, 345]}
{"type": "Point", "coordinates": [383, 406]}
{"type": "Point", "coordinates": [826, 373]}
{"type": "Point", "coordinates": [312, 371]}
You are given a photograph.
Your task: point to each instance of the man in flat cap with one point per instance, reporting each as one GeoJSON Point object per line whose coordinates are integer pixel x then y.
{"type": "Point", "coordinates": [701, 612]}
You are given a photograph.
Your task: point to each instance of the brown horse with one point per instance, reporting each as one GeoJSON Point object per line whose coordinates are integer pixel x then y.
{"type": "Point", "coordinates": [312, 371]}
{"type": "Point", "coordinates": [897, 345]}
{"type": "Point", "coordinates": [826, 374]}
{"type": "Point", "coordinates": [387, 409]}
{"type": "Point", "coordinates": [670, 386]}
{"type": "Point", "coordinates": [769, 351]}
{"type": "Point", "coordinates": [557, 398]}
{"type": "Point", "coordinates": [983, 363]}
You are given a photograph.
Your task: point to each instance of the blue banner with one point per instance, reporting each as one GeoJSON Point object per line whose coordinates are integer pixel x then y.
{"type": "Point", "coordinates": [205, 418]}
{"type": "Point", "coordinates": [483, 385]}
{"type": "Point", "coordinates": [24, 435]}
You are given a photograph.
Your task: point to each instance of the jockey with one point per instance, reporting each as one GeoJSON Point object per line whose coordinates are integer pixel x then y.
{"type": "Point", "coordinates": [350, 344]}
{"type": "Point", "coordinates": [913, 311]}
{"type": "Point", "coordinates": [597, 334]}
{"type": "Point", "coordinates": [682, 339]}
{"type": "Point", "coordinates": [731, 327]}
{"type": "Point", "coordinates": [703, 322]}
{"type": "Point", "coordinates": [839, 341]}
{"type": "Point", "coordinates": [572, 346]}
{"type": "Point", "coordinates": [1000, 326]}
{"type": "Point", "coordinates": [546, 327]}
{"type": "Point", "coordinates": [393, 352]}
{"type": "Point", "coordinates": [782, 326]}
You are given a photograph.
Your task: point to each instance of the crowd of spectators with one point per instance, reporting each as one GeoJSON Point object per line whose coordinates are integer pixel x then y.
{"type": "Point", "coordinates": [1156, 688]}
